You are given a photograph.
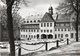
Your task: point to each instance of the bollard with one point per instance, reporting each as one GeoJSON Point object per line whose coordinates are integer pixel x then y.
{"type": "Point", "coordinates": [19, 51]}
{"type": "Point", "coordinates": [67, 41]}
{"type": "Point", "coordinates": [46, 46]}
{"type": "Point", "coordinates": [57, 43]}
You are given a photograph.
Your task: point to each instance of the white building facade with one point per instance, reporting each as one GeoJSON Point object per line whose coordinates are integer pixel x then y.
{"type": "Point", "coordinates": [45, 27]}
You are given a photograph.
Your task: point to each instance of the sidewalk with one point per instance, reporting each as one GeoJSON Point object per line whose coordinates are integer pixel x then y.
{"type": "Point", "coordinates": [69, 50]}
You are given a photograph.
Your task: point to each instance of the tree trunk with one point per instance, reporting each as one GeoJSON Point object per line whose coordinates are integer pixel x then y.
{"type": "Point", "coordinates": [77, 5]}
{"type": "Point", "coordinates": [10, 30]}
{"type": "Point", "coordinates": [77, 27]}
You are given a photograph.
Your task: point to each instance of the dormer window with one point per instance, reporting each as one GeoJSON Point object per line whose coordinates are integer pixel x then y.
{"type": "Point", "coordinates": [27, 21]}
{"type": "Point", "coordinates": [34, 20]}
{"type": "Point", "coordinates": [38, 20]}
{"type": "Point", "coordinates": [24, 21]}
{"type": "Point", "coordinates": [30, 21]}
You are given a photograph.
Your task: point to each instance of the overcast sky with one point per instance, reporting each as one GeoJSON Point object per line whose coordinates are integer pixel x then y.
{"type": "Point", "coordinates": [37, 7]}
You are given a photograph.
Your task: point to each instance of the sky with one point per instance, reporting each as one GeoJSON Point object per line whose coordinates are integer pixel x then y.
{"type": "Point", "coordinates": [37, 7]}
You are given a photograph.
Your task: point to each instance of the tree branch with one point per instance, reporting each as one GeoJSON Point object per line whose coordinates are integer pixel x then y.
{"type": "Point", "coordinates": [72, 4]}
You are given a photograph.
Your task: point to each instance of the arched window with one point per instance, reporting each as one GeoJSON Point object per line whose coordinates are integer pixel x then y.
{"type": "Point", "coordinates": [43, 36]}
{"type": "Point", "coordinates": [50, 36]}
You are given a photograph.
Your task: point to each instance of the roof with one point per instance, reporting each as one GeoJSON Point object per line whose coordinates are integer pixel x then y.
{"type": "Point", "coordinates": [34, 17]}
{"type": "Point", "coordinates": [62, 27]}
{"type": "Point", "coordinates": [63, 18]}
{"type": "Point", "coordinates": [47, 18]}
{"type": "Point", "coordinates": [30, 26]}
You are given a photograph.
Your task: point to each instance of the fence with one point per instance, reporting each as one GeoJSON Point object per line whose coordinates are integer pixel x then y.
{"type": "Point", "coordinates": [58, 42]}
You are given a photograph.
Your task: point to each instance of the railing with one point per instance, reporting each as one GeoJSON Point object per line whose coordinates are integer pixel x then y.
{"type": "Point", "coordinates": [66, 41]}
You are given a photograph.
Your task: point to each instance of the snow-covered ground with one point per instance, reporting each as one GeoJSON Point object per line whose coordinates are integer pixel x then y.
{"type": "Point", "coordinates": [33, 48]}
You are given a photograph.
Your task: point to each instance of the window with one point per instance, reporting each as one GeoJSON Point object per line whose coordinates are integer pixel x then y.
{"type": "Point", "coordinates": [55, 36]}
{"type": "Point", "coordinates": [26, 30]}
{"type": "Point", "coordinates": [34, 30]}
{"type": "Point", "coordinates": [66, 35]}
{"type": "Point", "coordinates": [67, 24]}
{"type": "Point", "coordinates": [44, 30]}
{"type": "Point", "coordinates": [27, 21]}
{"type": "Point", "coordinates": [68, 29]}
{"type": "Point", "coordinates": [57, 24]}
{"type": "Point", "coordinates": [24, 21]}
{"type": "Point", "coordinates": [61, 35]}
{"type": "Point", "coordinates": [41, 25]}
{"type": "Point", "coordinates": [71, 35]}
{"type": "Point", "coordinates": [38, 20]}
{"type": "Point", "coordinates": [58, 29]}
{"type": "Point", "coordinates": [50, 24]}
{"type": "Point", "coordinates": [62, 24]}
{"type": "Point", "coordinates": [79, 28]}
{"type": "Point", "coordinates": [41, 30]}
{"type": "Point", "coordinates": [23, 35]}
{"type": "Point", "coordinates": [44, 24]}
{"type": "Point", "coordinates": [29, 35]}
{"type": "Point", "coordinates": [55, 29]}
{"type": "Point", "coordinates": [34, 36]}
{"type": "Point", "coordinates": [50, 30]}
{"type": "Point", "coordinates": [47, 30]}
{"type": "Point", "coordinates": [37, 30]}
{"type": "Point", "coordinates": [29, 30]}
{"type": "Point", "coordinates": [23, 30]}
{"type": "Point", "coordinates": [31, 21]}
{"type": "Point", "coordinates": [61, 29]}
{"type": "Point", "coordinates": [34, 20]}
{"type": "Point", "coordinates": [65, 29]}
{"type": "Point", "coordinates": [58, 35]}
{"type": "Point", "coordinates": [47, 24]}
{"type": "Point", "coordinates": [26, 35]}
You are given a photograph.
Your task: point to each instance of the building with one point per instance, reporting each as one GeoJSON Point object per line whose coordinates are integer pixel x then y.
{"type": "Point", "coordinates": [46, 27]}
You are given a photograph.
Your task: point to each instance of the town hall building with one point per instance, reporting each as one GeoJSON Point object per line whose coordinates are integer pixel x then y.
{"type": "Point", "coordinates": [46, 27]}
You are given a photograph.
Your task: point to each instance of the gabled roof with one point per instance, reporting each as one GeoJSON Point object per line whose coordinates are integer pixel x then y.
{"type": "Point", "coordinates": [63, 18]}
{"type": "Point", "coordinates": [47, 18]}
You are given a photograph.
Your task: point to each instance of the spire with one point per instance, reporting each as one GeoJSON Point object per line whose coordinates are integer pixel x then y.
{"type": "Point", "coordinates": [50, 9]}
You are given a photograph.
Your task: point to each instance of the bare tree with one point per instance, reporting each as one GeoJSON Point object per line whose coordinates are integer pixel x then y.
{"type": "Point", "coordinates": [9, 5]}
{"type": "Point", "coordinates": [70, 6]}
